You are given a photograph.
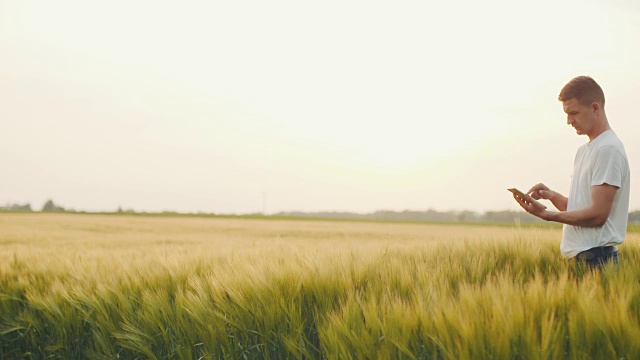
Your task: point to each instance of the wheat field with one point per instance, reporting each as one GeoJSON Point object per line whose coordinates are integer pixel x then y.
{"type": "Point", "coordinates": [78, 286]}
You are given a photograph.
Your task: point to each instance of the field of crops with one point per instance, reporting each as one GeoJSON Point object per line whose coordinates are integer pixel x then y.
{"type": "Point", "coordinates": [142, 287]}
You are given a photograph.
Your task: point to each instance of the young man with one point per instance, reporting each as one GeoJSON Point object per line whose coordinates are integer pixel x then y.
{"type": "Point", "coordinates": [596, 212]}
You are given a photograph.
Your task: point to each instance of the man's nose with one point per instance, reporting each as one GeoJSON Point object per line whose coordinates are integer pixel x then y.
{"type": "Point", "coordinates": [569, 120]}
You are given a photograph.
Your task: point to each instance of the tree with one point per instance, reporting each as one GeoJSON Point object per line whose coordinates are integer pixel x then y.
{"type": "Point", "coordinates": [50, 206]}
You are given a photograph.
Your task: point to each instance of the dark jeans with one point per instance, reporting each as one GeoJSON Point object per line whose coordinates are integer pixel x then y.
{"type": "Point", "coordinates": [600, 261]}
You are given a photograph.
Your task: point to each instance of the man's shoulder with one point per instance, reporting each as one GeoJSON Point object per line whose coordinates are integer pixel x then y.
{"type": "Point", "coordinates": [611, 137]}
{"type": "Point", "coordinates": [609, 152]}
{"type": "Point", "coordinates": [608, 140]}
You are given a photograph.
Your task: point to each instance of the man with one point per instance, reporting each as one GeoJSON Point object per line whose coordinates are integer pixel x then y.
{"type": "Point", "coordinates": [596, 212]}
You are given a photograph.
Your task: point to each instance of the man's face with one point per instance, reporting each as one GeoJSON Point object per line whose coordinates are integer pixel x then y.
{"type": "Point", "coordinates": [581, 117]}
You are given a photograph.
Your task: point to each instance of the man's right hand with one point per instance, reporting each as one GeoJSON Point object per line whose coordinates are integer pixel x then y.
{"type": "Point", "coordinates": [541, 191]}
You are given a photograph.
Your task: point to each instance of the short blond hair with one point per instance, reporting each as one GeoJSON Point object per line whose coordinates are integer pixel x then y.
{"type": "Point", "coordinates": [584, 89]}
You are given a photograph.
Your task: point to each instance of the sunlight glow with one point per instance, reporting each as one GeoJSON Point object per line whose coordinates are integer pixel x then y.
{"type": "Point", "coordinates": [198, 106]}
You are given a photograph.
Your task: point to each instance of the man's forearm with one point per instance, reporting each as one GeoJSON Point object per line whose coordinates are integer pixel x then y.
{"type": "Point", "coordinates": [586, 217]}
{"type": "Point", "coordinates": [602, 197]}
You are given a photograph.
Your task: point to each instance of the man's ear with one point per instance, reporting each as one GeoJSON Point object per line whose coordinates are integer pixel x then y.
{"type": "Point", "coordinates": [595, 107]}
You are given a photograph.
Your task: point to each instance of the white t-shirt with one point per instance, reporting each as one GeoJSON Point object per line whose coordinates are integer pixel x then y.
{"type": "Point", "coordinates": [601, 161]}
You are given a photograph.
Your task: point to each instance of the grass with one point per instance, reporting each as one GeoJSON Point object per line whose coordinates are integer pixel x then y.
{"type": "Point", "coordinates": [136, 287]}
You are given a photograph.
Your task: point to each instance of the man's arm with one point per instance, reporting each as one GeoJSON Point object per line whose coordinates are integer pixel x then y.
{"type": "Point", "coordinates": [602, 197]}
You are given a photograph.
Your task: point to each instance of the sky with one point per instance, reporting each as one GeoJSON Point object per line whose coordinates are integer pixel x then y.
{"type": "Point", "coordinates": [269, 106]}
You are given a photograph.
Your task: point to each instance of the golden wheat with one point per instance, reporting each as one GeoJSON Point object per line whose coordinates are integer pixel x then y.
{"type": "Point", "coordinates": [89, 286]}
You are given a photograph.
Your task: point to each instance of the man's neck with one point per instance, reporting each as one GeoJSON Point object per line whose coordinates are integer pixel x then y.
{"type": "Point", "coordinates": [599, 130]}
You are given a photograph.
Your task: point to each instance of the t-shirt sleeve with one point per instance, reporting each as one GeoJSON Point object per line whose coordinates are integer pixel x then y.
{"type": "Point", "coordinates": [608, 167]}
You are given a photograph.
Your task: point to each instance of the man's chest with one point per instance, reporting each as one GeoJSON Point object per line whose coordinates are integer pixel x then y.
{"type": "Point", "coordinates": [581, 178]}
{"type": "Point", "coordinates": [582, 168]}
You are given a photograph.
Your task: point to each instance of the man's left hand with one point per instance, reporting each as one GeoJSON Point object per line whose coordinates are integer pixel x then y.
{"type": "Point", "coordinates": [531, 206]}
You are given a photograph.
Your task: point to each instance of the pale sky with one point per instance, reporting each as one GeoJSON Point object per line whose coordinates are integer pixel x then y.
{"type": "Point", "coordinates": [238, 106]}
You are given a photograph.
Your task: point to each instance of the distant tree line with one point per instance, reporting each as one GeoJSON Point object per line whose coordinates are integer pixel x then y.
{"type": "Point", "coordinates": [49, 206]}
{"type": "Point", "coordinates": [17, 207]}
{"type": "Point", "coordinates": [506, 216]}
